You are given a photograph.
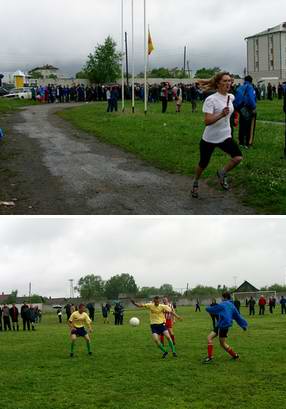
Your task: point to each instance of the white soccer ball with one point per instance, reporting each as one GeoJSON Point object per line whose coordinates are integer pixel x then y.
{"type": "Point", "coordinates": [134, 322]}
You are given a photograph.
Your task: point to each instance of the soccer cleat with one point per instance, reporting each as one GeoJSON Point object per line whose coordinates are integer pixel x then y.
{"type": "Point", "coordinates": [223, 179]}
{"type": "Point", "coordinates": [208, 360]}
{"type": "Point", "coordinates": [71, 354]}
{"type": "Point", "coordinates": [175, 355]}
{"type": "Point", "coordinates": [90, 353]}
{"type": "Point", "coordinates": [164, 354]}
{"type": "Point", "coordinates": [236, 357]}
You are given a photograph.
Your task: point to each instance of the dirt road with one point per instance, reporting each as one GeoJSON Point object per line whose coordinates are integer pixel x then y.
{"type": "Point", "coordinates": [48, 167]}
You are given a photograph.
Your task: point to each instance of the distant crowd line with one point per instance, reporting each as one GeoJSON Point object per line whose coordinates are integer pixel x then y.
{"type": "Point", "coordinates": [156, 92]}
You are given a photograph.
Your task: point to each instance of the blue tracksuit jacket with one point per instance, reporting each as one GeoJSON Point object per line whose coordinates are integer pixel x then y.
{"type": "Point", "coordinates": [227, 312]}
{"type": "Point", "coordinates": [245, 96]}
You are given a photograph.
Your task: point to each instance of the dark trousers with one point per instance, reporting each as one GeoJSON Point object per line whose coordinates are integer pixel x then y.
{"type": "Point", "coordinates": [198, 308]}
{"type": "Point", "coordinates": [246, 130]}
{"type": "Point", "coordinates": [26, 323]}
{"type": "Point", "coordinates": [261, 309]}
{"type": "Point", "coordinates": [164, 104]}
{"type": "Point", "coordinates": [15, 325]}
{"type": "Point", "coordinates": [283, 308]}
{"type": "Point", "coordinates": [7, 323]}
{"type": "Point", "coordinates": [271, 309]}
{"type": "Point", "coordinates": [251, 311]}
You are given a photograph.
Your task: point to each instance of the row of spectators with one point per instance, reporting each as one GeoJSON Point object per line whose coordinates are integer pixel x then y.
{"type": "Point", "coordinates": [9, 317]}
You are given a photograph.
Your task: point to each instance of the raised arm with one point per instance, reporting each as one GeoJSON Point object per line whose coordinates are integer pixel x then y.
{"type": "Point", "coordinates": [136, 304]}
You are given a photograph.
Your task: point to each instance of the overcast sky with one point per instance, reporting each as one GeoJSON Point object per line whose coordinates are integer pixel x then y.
{"type": "Point", "coordinates": [64, 32]}
{"type": "Point", "coordinates": [177, 250]}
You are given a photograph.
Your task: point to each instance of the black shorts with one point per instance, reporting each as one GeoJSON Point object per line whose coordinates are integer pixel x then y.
{"type": "Point", "coordinates": [229, 146]}
{"type": "Point", "coordinates": [79, 332]}
{"type": "Point", "coordinates": [158, 328]}
{"type": "Point", "coordinates": [221, 332]}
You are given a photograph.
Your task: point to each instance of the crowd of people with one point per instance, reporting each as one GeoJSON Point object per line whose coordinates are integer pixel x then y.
{"type": "Point", "coordinates": [10, 316]}
{"type": "Point", "coordinates": [262, 303]}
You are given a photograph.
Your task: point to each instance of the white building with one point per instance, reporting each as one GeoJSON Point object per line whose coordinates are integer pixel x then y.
{"type": "Point", "coordinates": [266, 54]}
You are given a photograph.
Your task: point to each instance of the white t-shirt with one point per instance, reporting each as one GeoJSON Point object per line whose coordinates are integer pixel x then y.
{"type": "Point", "coordinates": [220, 130]}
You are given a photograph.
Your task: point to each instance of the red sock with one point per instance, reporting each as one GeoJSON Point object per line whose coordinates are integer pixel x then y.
{"type": "Point", "coordinates": [173, 339]}
{"type": "Point", "coordinates": [210, 350]}
{"type": "Point", "coordinates": [231, 352]}
{"type": "Point", "coordinates": [162, 339]}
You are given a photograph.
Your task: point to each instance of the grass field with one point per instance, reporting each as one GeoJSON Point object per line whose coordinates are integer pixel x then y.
{"type": "Point", "coordinates": [170, 142]}
{"type": "Point", "coordinates": [126, 370]}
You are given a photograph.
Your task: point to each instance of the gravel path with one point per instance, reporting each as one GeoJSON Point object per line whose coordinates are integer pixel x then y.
{"type": "Point", "coordinates": [56, 169]}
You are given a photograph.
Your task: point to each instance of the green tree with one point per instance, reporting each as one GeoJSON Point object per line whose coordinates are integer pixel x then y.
{"type": "Point", "coordinates": [12, 298]}
{"type": "Point", "coordinates": [35, 298]}
{"type": "Point", "coordinates": [205, 73]}
{"type": "Point", "coordinates": [103, 66]}
{"type": "Point", "coordinates": [90, 286]}
{"type": "Point", "coordinates": [166, 289]}
{"type": "Point", "coordinates": [123, 283]}
{"type": "Point", "coordinates": [147, 292]}
{"type": "Point", "coordinates": [81, 75]}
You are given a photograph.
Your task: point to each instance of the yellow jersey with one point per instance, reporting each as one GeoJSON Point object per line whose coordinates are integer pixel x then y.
{"type": "Point", "coordinates": [157, 315]}
{"type": "Point", "coordinates": [78, 320]}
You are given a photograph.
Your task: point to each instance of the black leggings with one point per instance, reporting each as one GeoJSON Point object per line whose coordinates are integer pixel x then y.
{"type": "Point", "coordinates": [229, 146]}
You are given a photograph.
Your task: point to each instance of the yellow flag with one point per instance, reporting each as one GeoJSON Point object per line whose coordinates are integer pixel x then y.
{"type": "Point", "coordinates": [150, 43]}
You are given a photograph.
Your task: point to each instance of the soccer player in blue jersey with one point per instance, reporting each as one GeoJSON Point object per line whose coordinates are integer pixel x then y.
{"type": "Point", "coordinates": [226, 312]}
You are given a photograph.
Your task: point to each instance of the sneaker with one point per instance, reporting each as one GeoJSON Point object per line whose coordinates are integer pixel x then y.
{"type": "Point", "coordinates": [208, 360]}
{"type": "Point", "coordinates": [222, 179]}
{"type": "Point", "coordinates": [71, 354]}
{"type": "Point", "coordinates": [164, 354]}
{"type": "Point", "coordinates": [175, 355]}
{"type": "Point", "coordinates": [236, 357]}
{"type": "Point", "coordinates": [90, 353]}
{"type": "Point", "coordinates": [194, 191]}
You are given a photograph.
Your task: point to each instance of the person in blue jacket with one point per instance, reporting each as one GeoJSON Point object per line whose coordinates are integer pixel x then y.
{"type": "Point", "coordinates": [226, 312]}
{"type": "Point", "coordinates": [245, 104]}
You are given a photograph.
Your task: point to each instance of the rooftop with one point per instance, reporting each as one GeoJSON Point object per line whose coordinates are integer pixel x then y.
{"type": "Point", "coordinates": [277, 29]}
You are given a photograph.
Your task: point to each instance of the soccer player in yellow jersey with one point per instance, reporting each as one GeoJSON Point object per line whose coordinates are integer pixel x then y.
{"type": "Point", "coordinates": [76, 323]}
{"type": "Point", "coordinates": [157, 321]}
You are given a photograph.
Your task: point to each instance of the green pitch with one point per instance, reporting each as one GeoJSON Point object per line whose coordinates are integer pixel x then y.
{"type": "Point", "coordinates": [126, 370]}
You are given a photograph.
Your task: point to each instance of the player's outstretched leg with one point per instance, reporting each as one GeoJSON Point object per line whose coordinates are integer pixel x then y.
{"type": "Point", "coordinates": [228, 349]}
{"type": "Point", "coordinates": [160, 345]}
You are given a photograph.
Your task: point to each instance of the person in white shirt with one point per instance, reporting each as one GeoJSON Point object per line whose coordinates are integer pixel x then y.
{"type": "Point", "coordinates": [217, 108]}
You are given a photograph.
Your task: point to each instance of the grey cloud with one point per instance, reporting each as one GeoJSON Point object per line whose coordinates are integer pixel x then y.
{"type": "Point", "coordinates": [64, 33]}
{"type": "Point", "coordinates": [212, 251]}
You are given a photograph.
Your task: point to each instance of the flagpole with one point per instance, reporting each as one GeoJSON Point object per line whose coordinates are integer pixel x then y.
{"type": "Point", "coordinates": [145, 60]}
{"type": "Point", "coordinates": [122, 59]}
{"type": "Point", "coordinates": [133, 72]}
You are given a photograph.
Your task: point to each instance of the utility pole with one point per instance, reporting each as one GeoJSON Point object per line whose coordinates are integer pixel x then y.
{"type": "Point", "coordinates": [185, 53]}
{"type": "Point", "coordinates": [30, 292]}
{"type": "Point", "coordinates": [71, 288]}
{"type": "Point", "coordinates": [126, 53]}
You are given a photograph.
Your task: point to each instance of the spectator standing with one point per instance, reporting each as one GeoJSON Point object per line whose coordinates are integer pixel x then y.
{"type": "Point", "coordinates": [6, 317]}
{"type": "Point", "coordinates": [237, 304]}
{"type": "Point", "coordinates": [25, 315]}
{"type": "Point", "coordinates": [251, 306]}
{"type": "Point", "coordinates": [14, 314]}
{"type": "Point", "coordinates": [90, 307]}
{"type": "Point", "coordinates": [245, 104]}
{"type": "Point", "coordinates": [261, 303]}
{"type": "Point", "coordinates": [283, 305]}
